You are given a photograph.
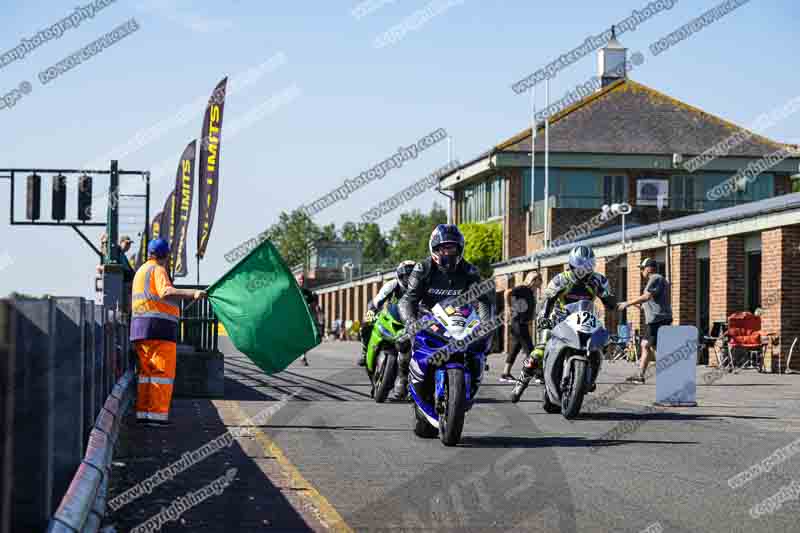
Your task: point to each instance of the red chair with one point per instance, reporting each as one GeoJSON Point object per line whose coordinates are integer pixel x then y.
{"type": "Point", "coordinates": [745, 333]}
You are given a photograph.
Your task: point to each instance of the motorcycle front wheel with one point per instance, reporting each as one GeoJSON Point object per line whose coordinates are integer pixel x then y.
{"type": "Point", "coordinates": [385, 374]}
{"type": "Point", "coordinates": [451, 422]}
{"type": "Point", "coordinates": [572, 395]}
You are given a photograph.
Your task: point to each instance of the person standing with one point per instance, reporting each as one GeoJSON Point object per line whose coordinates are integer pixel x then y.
{"type": "Point", "coordinates": [154, 333]}
{"type": "Point", "coordinates": [657, 312]}
{"type": "Point", "coordinates": [125, 245]}
{"type": "Point", "coordinates": [311, 302]}
{"type": "Point", "coordinates": [520, 298]}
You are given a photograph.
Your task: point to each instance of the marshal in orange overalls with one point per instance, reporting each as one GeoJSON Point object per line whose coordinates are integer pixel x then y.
{"type": "Point", "coordinates": [154, 333]}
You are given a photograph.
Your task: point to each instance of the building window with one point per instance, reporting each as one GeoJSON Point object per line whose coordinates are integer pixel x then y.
{"type": "Point", "coordinates": [483, 200]}
{"type": "Point", "coordinates": [752, 272]}
{"type": "Point", "coordinates": [683, 193]}
{"type": "Point", "coordinates": [578, 189]}
{"type": "Point", "coordinates": [752, 276]}
{"type": "Point", "coordinates": [615, 189]}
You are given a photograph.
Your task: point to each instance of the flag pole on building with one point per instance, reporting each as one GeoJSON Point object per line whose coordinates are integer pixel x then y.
{"type": "Point", "coordinates": [547, 166]}
{"type": "Point", "coordinates": [533, 156]}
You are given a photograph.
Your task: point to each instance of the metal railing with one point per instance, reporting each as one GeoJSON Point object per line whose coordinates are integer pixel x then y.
{"type": "Point", "coordinates": [536, 212]}
{"type": "Point", "coordinates": [199, 326]}
{"type": "Point", "coordinates": [59, 361]}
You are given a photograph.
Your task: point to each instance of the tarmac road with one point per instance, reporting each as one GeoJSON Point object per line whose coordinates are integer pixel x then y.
{"type": "Point", "coordinates": [356, 466]}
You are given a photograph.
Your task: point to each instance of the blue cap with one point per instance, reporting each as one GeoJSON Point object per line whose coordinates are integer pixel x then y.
{"type": "Point", "coordinates": [158, 248]}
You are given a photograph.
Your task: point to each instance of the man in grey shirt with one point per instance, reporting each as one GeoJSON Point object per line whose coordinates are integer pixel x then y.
{"type": "Point", "coordinates": [657, 312]}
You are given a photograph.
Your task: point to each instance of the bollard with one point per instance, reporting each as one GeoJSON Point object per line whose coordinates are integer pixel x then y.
{"type": "Point", "coordinates": [32, 499]}
{"type": "Point", "coordinates": [68, 392]}
{"type": "Point", "coordinates": [7, 352]}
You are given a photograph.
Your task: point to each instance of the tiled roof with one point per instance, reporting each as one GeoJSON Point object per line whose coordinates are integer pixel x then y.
{"type": "Point", "coordinates": [627, 117]}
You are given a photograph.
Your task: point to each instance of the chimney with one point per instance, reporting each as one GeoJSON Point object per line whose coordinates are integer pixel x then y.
{"type": "Point", "coordinates": [611, 61]}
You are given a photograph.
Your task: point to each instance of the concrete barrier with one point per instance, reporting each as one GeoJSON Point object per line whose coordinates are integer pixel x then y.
{"type": "Point", "coordinates": [7, 360]}
{"type": "Point", "coordinates": [68, 416]}
{"type": "Point", "coordinates": [199, 374]}
{"type": "Point", "coordinates": [65, 385]}
{"type": "Point", "coordinates": [90, 407]}
{"type": "Point", "coordinates": [34, 439]}
{"type": "Point", "coordinates": [84, 505]}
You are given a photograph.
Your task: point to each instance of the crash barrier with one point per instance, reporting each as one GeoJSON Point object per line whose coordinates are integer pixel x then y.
{"type": "Point", "coordinates": [83, 507]}
{"type": "Point", "coordinates": [198, 323]}
{"type": "Point", "coordinates": [676, 366]}
{"type": "Point", "coordinates": [59, 361]}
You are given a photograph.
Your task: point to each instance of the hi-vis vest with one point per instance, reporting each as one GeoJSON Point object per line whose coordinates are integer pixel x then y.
{"type": "Point", "coordinates": [152, 317]}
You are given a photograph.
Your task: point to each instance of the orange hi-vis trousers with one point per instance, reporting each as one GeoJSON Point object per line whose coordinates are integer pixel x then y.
{"type": "Point", "coordinates": [157, 360]}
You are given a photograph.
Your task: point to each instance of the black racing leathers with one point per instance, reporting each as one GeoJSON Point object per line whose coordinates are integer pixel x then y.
{"type": "Point", "coordinates": [429, 285]}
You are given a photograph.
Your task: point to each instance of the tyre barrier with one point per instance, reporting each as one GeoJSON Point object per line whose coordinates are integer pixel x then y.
{"type": "Point", "coordinates": [84, 505]}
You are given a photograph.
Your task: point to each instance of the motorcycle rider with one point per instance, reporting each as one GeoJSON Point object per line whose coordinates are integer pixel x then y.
{"type": "Point", "coordinates": [579, 282]}
{"type": "Point", "coordinates": [442, 275]}
{"type": "Point", "coordinates": [391, 292]}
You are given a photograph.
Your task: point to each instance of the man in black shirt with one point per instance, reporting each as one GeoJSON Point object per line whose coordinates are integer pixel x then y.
{"type": "Point", "coordinates": [312, 302]}
{"type": "Point", "coordinates": [521, 297]}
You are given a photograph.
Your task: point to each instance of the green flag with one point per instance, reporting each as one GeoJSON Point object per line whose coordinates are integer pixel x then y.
{"type": "Point", "coordinates": [263, 311]}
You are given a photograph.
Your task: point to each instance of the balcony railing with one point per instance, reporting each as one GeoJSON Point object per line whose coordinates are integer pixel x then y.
{"type": "Point", "coordinates": [679, 203]}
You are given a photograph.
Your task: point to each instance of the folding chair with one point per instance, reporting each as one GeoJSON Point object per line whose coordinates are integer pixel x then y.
{"type": "Point", "coordinates": [744, 333]}
{"type": "Point", "coordinates": [717, 340]}
{"type": "Point", "coordinates": [618, 347]}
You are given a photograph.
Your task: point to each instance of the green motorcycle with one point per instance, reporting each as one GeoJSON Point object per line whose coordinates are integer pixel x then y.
{"type": "Point", "coordinates": [382, 351]}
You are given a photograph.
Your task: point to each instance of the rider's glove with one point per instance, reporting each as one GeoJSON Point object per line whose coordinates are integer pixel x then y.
{"type": "Point", "coordinates": [369, 316]}
{"type": "Point", "coordinates": [544, 323]}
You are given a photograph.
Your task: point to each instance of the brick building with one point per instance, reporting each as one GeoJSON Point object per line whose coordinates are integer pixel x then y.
{"type": "Point", "coordinates": [629, 144]}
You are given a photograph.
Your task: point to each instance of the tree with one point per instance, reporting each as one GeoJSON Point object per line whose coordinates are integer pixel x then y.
{"type": "Point", "coordinates": [409, 238]}
{"type": "Point", "coordinates": [351, 232]}
{"type": "Point", "coordinates": [484, 245]}
{"type": "Point", "coordinates": [328, 233]}
{"type": "Point", "coordinates": [374, 246]}
{"type": "Point", "coordinates": [292, 235]}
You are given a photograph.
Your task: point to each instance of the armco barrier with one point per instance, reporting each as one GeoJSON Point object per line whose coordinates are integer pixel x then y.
{"type": "Point", "coordinates": [64, 369]}
{"type": "Point", "coordinates": [84, 504]}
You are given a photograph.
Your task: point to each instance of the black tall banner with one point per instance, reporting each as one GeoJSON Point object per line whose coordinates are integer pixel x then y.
{"type": "Point", "coordinates": [155, 228]}
{"type": "Point", "coordinates": [184, 189]}
{"type": "Point", "coordinates": [167, 227]}
{"type": "Point", "coordinates": [208, 179]}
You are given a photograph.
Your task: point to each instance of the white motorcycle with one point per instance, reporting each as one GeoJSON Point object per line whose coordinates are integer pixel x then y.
{"type": "Point", "coordinates": [572, 359]}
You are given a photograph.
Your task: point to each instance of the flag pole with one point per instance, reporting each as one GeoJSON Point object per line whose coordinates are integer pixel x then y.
{"type": "Point", "coordinates": [533, 155]}
{"type": "Point", "coordinates": [547, 166]}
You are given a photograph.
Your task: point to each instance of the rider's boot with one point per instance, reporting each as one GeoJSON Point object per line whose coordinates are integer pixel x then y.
{"type": "Point", "coordinates": [366, 333]}
{"type": "Point", "coordinates": [400, 390]}
{"type": "Point", "coordinates": [529, 371]}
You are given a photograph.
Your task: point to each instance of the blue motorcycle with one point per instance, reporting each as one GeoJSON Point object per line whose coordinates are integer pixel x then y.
{"type": "Point", "coordinates": [445, 370]}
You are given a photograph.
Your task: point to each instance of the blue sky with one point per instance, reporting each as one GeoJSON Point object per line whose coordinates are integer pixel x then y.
{"type": "Point", "coordinates": [351, 106]}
